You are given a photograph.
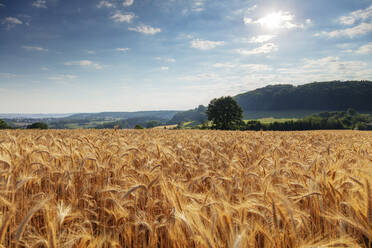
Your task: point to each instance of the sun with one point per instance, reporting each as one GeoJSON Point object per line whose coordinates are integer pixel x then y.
{"type": "Point", "coordinates": [276, 20]}
{"type": "Point", "coordinates": [272, 21]}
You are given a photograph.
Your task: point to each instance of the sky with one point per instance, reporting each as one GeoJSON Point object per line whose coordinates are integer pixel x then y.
{"type": "Point", "coordinates": [127, 55]}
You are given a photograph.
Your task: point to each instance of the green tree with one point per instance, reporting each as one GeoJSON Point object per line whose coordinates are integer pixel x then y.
{"type": "Point", "coordinates": [138, 126]}
{"type": "Point", "coordinates": [152, 124]}
{"type": "Point", "coordinates": [225, 113]}
{"type": "Point", "coordinates": [4, 125]}
{"type": "Point", "coordinates": [37, 125]}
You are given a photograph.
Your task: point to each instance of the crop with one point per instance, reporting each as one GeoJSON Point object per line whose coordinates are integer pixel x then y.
{"type": "Point", "coordinates": [168, 188]}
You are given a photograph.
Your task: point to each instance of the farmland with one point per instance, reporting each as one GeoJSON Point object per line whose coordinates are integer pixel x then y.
{"type": "Point", "coordinates": [179, 188]}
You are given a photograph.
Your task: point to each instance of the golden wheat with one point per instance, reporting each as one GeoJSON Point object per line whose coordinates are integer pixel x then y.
{"type": "Point", "coordinates": [165, 188]}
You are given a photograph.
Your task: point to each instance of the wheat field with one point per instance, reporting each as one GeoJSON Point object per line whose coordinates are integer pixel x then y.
{"type": "Point", "coordinates": [167, 188]}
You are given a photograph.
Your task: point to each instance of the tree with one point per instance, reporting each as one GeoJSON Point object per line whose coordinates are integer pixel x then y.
{"type": "Point", "coordinates": [37, 125]}
{"type": "Point", "coordinates": [152, 124]}
{"type": "Point", "coordinates": [4, 125]}
{"type": "Point", "coordinates": [138, 126]}
{"type": "Point", "coordinates": [225, 113]}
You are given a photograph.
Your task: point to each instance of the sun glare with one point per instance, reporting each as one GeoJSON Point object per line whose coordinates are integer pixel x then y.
{"type": "Point", "coordinates": [277, 20]}
{"type": "Point", "coordinates": [272, 21]}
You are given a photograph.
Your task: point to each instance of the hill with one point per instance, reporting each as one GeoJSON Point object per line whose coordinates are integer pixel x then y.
{"type": "Point", "coordinates": [319, 96]}
{"type": "Point", "coordinates": [33, 116]}
{"type": "Point", "coordinates": [196, 115]}
{"type": "Point", "coordinates": [146, 121]}
{"type": "Point", "coordinates": [164, 114]}
{"type": "Point", "coordinates": [289, 101]}
{"type": "Point", "coordinates": [92, 120]}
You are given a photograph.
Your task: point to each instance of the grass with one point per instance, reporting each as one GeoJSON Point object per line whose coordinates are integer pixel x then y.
{"type": "Point", "coordinates": [165, 127]}
{"type": "Point", "coordinates": [271, 120]}
{"type": "Point", "coordinates": [183, 188]}
{"type": "Point", "coordinates": [280, 114]}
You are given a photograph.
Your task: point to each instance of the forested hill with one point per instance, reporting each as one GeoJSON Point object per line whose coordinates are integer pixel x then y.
{"type": "Point", "coordinates": [335, 95]}
{"type": "Point", "coordinates": [165, 114]}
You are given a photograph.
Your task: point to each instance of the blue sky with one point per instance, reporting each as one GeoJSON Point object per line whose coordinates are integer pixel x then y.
{"type": "Point", "coordinates": [127, 55]}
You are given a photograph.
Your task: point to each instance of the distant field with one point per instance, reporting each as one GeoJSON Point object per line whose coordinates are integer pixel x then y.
{"type": "Point", "coordinates": [165, 127]}
{"type": "Point", "coordinates": [185, 188]}
{"type": "Point", "coordinates": [271, 120]}
{"type": "Point", "coordinates": [297, 114]}
{"type": "Point", "coordinates": [90, 124]}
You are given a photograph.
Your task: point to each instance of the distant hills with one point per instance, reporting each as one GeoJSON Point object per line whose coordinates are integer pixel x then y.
{"type": "Point", "coordinates": [289, 101]}
{"type": "Point", "coordinates": [111, 119]}
{"type": "Point", "coordinates": [197, 115]}
{"type": "Point", "coordinates": [33, 116]}
{"type": "Point", "coordinates": [164, 114]}
{"type": "Point", "coordinates": [322, 96]}
{"type": "Point", "coordinates": [94, 120]}
{"type": "Point", "coordinates": [279, 101]}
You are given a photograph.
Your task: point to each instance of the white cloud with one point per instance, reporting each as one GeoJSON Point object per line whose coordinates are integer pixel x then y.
{"type": "Point", "coordinates": [11, 21]}
{"type": "Point", "coordinates": [265, 48]}
{"type": "Point", "coordinates": [164, 68]}
{"type": "Point", "coordinates": [198, 5]}
{"type": "Point", "coordinates": [200, 77]}
{"type": "Point", "coordinates": [84, 63]}
{"type": "Point", "coordinates": [347, 20]}
{"type": "Point", "coordinates": [145, 29]}
{"type": "Point", "coordinates": [276, 20]}
{"type": "Point", "coordinates": [365, 26]}
{"type": "Point", "coordinates": [256, 67]}
{"type": "Point", "coordinates": [366, 49]}
{"type": "Point", "coordinates": [62, 77]}
{"type": "Point", "coordinates": [39, 4]}
{"type": "Point", "coordinates": [224, 65]}
{"type": "Point", "coordinates": [91, 52]}
{"type": "Point", "coordinates": [194, 6]}
{"type": "Point", "coordinates": [261, 38]}
{"type": "Point", "coordinates": [104, 3]}
{"type": "Point", "coordinates": [119, 17]}
{"type": "Point", "coordinates": [44, 68]}
{"type": "Point", "coordinates": [128, 2]}
{"type": "Point", "coordinates": [122, 49]}
{"type": "Point", "coordinates": [332, 64]}
{"type": "Point", "coordinates": [323, 69]}
{"type": "Point", "coordinates": [358, 30]}
{"type": "Point", "coordinates": [245, 67]}
{"type": "Point", "coordinates": [356, 15]}
{"type": "Point", "coordinates": [316, 63]}
{"type": "Point", "coordinates": [205, 44]}
{"type": "Point", "coordinates": [169, 60]}
{"type": "Point", "coordinates": [35, 48]}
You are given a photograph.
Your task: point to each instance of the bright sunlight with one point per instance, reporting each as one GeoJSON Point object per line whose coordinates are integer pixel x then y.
{"type": "Point", "coordinates": [277, 20]}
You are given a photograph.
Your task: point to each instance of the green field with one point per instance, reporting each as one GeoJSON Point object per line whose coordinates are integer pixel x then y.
{"type": "Point", "coordinates": [272, 119]}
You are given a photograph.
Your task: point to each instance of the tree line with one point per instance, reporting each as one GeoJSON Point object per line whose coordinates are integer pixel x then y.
{"type": "Point", "coordinates": [334, 95]}
{"type": "Point", "coordinates": [226, 114]}
{"type": "Point", "coordinates": [36, 125]}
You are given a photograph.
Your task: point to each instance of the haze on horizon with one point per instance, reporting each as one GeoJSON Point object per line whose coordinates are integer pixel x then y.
{"type": "Point", "coordinates": [128, 55]}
